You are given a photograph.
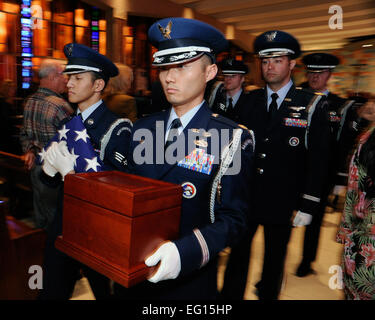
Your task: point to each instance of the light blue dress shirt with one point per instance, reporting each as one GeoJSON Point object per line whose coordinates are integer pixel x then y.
{"type": "Point", "coordinates": [281, 93]}
{"type": "Point", "coordinates": [234, 98]}
{"type": "Point", "coordinates": [89, 110]}
{"type": "Point", "coordinates": [185, 119]}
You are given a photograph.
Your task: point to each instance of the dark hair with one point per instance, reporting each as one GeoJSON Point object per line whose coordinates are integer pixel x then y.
{"type": "Point", "coordinates": [97, 75]}
{"type": "Point", "coordinates": [367, 156]}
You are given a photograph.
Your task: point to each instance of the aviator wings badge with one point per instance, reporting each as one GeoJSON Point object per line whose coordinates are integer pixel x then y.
{"type": "Point", "coordinates": [271, 36]}
{"type": "Point", "coordinates": [166, 31]}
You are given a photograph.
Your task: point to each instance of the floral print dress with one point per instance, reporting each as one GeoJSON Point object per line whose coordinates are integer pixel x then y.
{"type": "Point", "coordinates": [357, 231]}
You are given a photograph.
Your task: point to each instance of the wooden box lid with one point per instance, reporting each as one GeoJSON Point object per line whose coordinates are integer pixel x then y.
{"type": "Point", "coordinates": [123, 193]}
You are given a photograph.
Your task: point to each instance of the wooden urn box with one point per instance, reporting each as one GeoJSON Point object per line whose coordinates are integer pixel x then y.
{"type": "Point", "coordinates": [112, 221]}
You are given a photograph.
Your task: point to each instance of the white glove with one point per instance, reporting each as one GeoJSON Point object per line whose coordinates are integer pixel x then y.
{"type": "Point", "coordinates": [58, 155]}
{"type": "Point", "coordinates": [47, 167]}
{"type": "Point", "coordinates": [170, 262]}
{"type": "Point", "coordinates": [302, 219]}
{"type": "Point", "coordinates": [339, 190]}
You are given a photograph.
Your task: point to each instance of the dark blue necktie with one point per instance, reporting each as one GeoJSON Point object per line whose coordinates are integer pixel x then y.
{"type": "Point", "coordinates": [273, 106]}
{"type": "Point", "coordinates": [176, 123]}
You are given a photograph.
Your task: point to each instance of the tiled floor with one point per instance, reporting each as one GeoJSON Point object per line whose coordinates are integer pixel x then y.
{"type": "Point", "coordinates": [312, 287]}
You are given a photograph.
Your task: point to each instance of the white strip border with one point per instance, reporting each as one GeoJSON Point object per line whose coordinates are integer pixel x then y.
{"type": "Point", "coordinates": [204, 247]}
{"type": "Point", "coordinates": [180, 49]}
{"type": "Point", "coordinates": [311, 198]}
{"type": "Point", "coordinates": [87, 68]}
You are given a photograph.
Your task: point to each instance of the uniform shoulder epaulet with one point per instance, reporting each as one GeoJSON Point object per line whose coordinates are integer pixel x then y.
{"type": "Point", "coordinates": [305, 90]}
{"type": "Point", "coordinates": [319, 94]}
{"type": "Point", "coordinates": [256, 91]}
{"type": "Point", "coordinates": [149, 118]}
{"type": "Point", "coordinates": [219, 118]}
{"type": "Point", "coordinates": [243, 127]}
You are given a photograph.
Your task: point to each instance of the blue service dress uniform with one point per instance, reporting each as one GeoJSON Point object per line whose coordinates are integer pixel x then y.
{"type": "Point", "coordinates": [290, 172]}
{"type": "Point", "coordinates": [220, 105]}
{"type": "Point", "coordinates": [337, 108]}
{"type": "Point", "coordinates": [110, 137]}
{"type": "Point", "coordinates": [210, 220]}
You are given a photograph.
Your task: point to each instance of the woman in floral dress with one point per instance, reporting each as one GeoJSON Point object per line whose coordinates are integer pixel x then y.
{"type": "Point", "coordinates": [357, 228]}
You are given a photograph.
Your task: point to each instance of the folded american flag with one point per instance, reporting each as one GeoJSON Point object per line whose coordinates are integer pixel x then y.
{"type": "Point", "coordinates": [79, 146]}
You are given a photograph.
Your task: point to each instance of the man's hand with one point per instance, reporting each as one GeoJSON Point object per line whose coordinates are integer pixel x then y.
{"type": "Point", "coordinates": [170, 262]}
{"type": "Point", "coordinates": [58, 155]}
{"type": "Point", "coordinates": [29, 159]}
{"type": "Point", "coordinates": [302, 219]}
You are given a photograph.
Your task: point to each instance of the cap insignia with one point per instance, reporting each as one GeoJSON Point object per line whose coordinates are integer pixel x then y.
{"type": "Point", "coordinates": [70, 49]}
{"type": "Point", "coordinates": [271, 36]}
{"type": "Point", "coordinates": [166, 31]}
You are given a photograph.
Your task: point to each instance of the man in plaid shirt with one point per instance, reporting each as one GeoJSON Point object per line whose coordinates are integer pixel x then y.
{"type": "Point", "coordinates": [43, 112]}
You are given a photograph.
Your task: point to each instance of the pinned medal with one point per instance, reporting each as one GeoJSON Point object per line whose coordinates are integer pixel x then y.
{"type": "Point", "coordinates": [293, 122]}
{"type": "Point", "coordinates": [201, 143]}
{"type": "Point", "coordinates": [295, 108]}
{"type": "Point", "coordinates": [189, 190]}
{"type": "Point", "coordinates": [295, 114]}
{"type": "Point", "coordinates": [334, 117]}
{"type": "Point", "coordinates": [90, 122]}
{"type": "Point", "coordinates": [207, 134]}
{"type": "Point", "coordinates": [198, 160]}
{"type": "Point", "coordinates": [294, 141]}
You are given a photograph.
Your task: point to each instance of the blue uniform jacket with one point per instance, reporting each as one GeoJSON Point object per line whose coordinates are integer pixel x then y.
{"type": "Point", "coordinates": [200, 238]}
{"type": "Point", "coordinates": [109, 136]}
{"type": "Point", "coordinates": [291, 155]}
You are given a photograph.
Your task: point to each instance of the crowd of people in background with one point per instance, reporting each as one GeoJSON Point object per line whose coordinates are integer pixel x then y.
{"type": "Point", "coordinates": [309, 143]}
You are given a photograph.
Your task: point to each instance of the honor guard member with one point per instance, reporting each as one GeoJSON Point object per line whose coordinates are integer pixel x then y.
{"type": "Point", "coordinates": [88, 72]}
{"type": "Point", "coordinates": [291, 128]}
{"type": "Point", "coordinates": [319, 67]}
{"type": "Point", "coordinates": [231, 97]}
{"type": "Point", "coordinates": [214, 204]}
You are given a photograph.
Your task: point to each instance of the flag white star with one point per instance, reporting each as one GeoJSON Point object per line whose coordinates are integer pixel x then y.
{"type": "Point", "coordinates": [81, 135]}
{"type": "Point", "coordinates": [42, 155]}
{"type": "Point", "coordinates": [63, 132]}
{"type": "Point", "coordinates": [74, 157]}
{"type": "Point", "coordinates": [92, 164]}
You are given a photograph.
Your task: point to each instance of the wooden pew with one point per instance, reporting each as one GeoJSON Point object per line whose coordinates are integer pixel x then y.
{"type": "Point", "coordinates": [20, 247]}
{"type": "Point", "coordinates": [17, 185]}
